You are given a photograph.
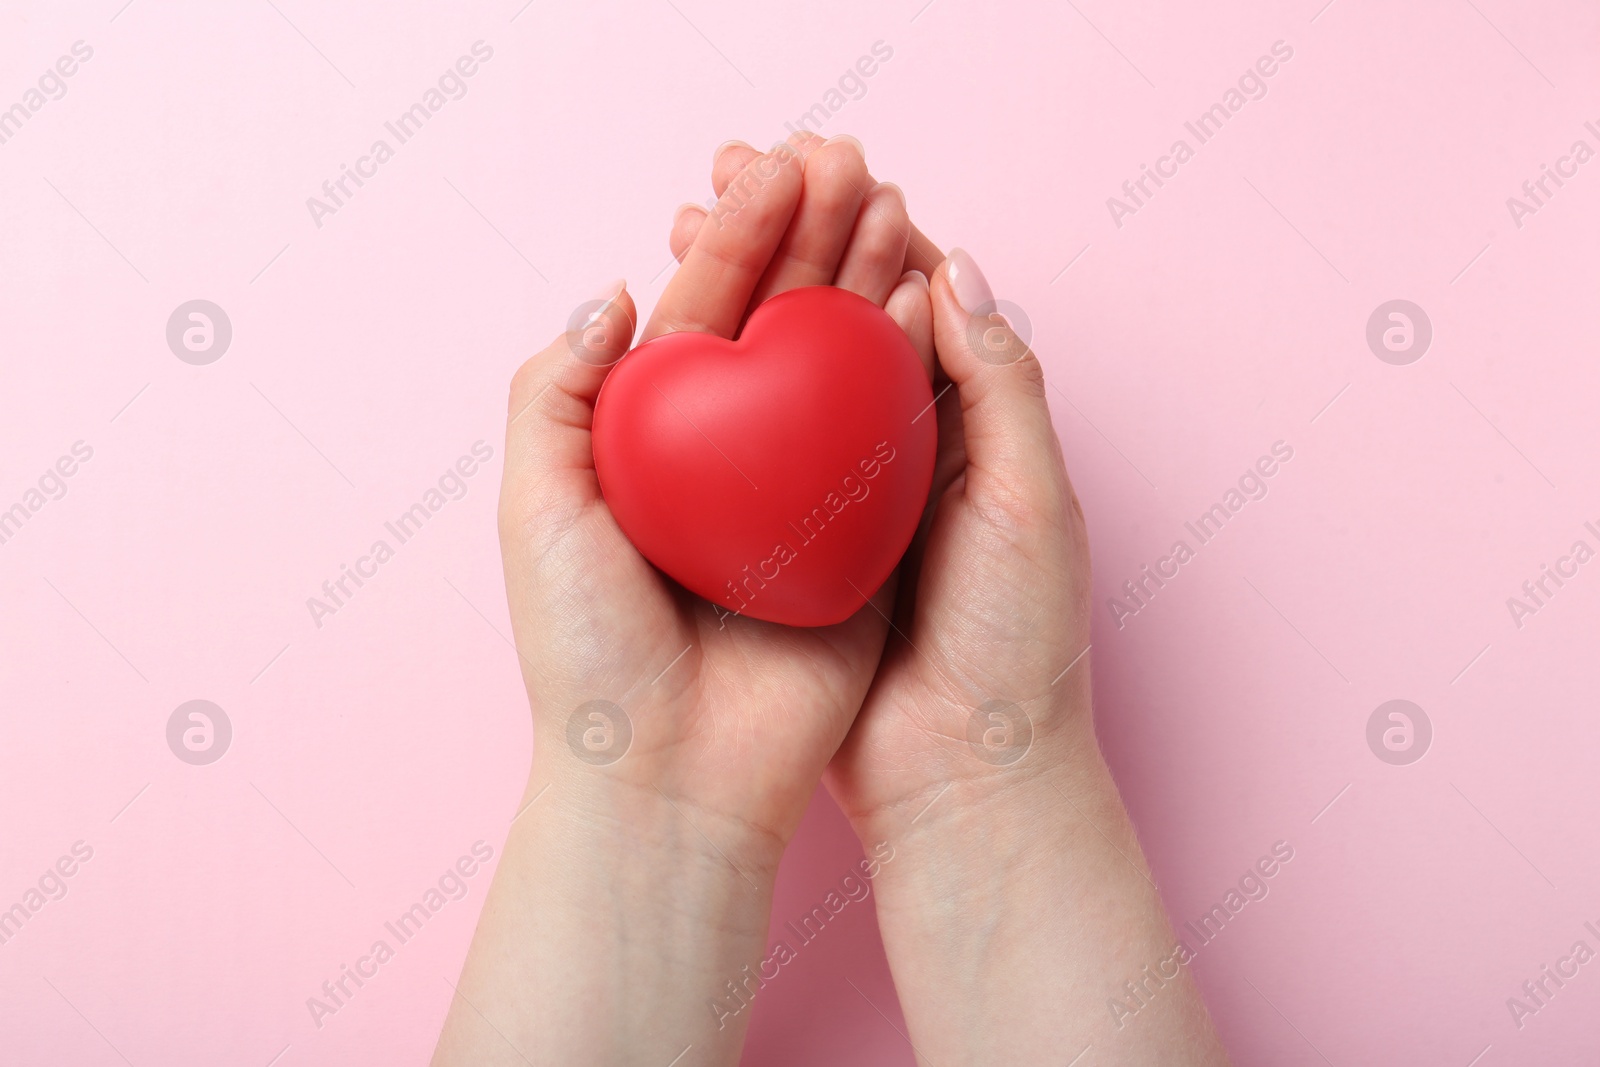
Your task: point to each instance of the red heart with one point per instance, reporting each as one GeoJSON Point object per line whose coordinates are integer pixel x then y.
{"type": "Point", "coordinates": [781, 475]}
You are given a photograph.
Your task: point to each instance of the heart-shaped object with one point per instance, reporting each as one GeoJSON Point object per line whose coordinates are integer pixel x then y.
{"type": "Point", "coordinates": [782, 475]}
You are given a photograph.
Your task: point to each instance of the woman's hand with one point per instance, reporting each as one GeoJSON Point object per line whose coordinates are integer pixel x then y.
{"type": "Point", "coordinates": [675, 749]}
{"type": "Point", "coordinates": [733, 719]}
{"type": "Point", "coordinates": [1019, 907]}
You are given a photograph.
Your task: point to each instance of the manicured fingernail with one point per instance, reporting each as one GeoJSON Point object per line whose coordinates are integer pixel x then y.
{"type": "Point", "coordinates": [967, 281]}
{"type": "Point", "coordinates": [724, 146]}
{"type": "Point", "coordinates": [845, 138]}
{"type": "Point", "coordinates": [612, 290]}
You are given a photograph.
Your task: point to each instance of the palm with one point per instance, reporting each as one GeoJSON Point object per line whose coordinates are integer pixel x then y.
{"type": "Point", "coordinates": [979, 622]}
{"type": "Point", "coordinates": [738, 714]}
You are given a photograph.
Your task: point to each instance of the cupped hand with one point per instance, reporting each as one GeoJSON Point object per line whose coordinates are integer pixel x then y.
{"type": "Point", "coordinates": [985, 682]}
{"type": "Point", "coordinates": [732, 720]}
{"type": "Point", "coordinates": [993, 601]}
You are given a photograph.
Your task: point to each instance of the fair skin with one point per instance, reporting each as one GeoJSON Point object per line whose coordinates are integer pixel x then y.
{"type": "Point", "coordinates": [629, 893]}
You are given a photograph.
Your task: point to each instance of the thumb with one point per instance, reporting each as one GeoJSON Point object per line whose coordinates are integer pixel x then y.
{"type": "Point", "coordinates": [551, 408]}
{"type": "Point", "coordinates": [1006, 422]}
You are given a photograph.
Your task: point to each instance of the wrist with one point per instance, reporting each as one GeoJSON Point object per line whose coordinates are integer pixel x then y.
{"type": "Point", "coordinates": [970, 844]}
{"type": "Point", "coordinates": [628, 820]}
{"type": "Point", "coordinates": [1032, 869]}
{"type": "Point", "coordinates": [995, 768]}
{"type": "Point", "coordinates": [606, 887]}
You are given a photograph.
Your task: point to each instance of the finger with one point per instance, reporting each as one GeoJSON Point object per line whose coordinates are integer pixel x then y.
{"type": "Point", "coordinates": [686, 225]}
{"type": "Point", "coordinates": [551, 407]}
{"type": "Point", "coordinates": [1006, 423]}
{"type": "Point", "coordinates": [950, 464]}
{"type": "Point", "coordinates": [910, 307]}
{"type": "Point", "coordinates": [733, 156]}
{"type": "Point", "coordinates": [922, 254]}
{"type": "Point", "coordinates": [710, 291]}
{"type": "Point", "coordinates": [835, 184]}
{"type": "Point", "coordinates": [874, 260]}
{"type": "Point", "coordinates": [727, 161]}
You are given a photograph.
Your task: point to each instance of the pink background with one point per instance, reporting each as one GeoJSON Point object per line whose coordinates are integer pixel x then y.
{"type": "Point", "coordinates": [370, 353]}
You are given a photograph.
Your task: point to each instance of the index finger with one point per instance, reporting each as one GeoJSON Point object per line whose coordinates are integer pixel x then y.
{"type": "Point", "coordinates": [712, 289]}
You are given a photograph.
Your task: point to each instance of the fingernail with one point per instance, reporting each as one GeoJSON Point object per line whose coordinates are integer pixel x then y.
{"type": "Point", "coordinates": [913, 276]}
{"type": "Point", "coordinates": [724, 146]}
{"type": "Point", "coordinates": [612, 290]}
{"type": "Point", "coordinates": [888, 187]}
{"type": "Point", "coordinates": [967, 281]}
{"type": "Point", "coordinates": [678, 214]}
{"type": "Point", "coordinates": [845, 138]}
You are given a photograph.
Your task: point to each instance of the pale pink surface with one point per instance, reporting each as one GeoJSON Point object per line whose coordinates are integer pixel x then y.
{"type": "Point", "coordinates": [1181, 346]}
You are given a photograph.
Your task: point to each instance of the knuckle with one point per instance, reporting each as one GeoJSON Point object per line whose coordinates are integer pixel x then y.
{"type": "Point", "coordinates": [1029, 373]}
{"type": "Point", "coordinates": [534, 527]}
{"type": "Point", "coordinates": [1010, 506]}
{"type": "Point", "coordinates": [526, 382]}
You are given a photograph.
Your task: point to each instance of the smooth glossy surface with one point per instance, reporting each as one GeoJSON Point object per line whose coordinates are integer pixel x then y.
{"type": "Point", "coordinates": [781, 475]}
